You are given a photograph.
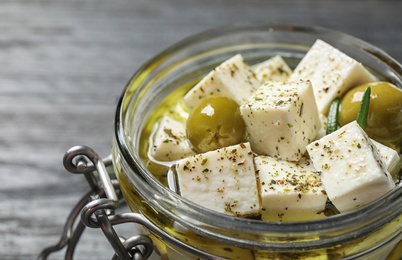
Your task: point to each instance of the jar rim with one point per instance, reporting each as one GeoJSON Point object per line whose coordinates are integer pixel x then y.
{"type": "Point", "coordinates": [163, 198]}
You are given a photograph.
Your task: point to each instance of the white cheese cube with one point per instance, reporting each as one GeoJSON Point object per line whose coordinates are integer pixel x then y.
{"type": "Point", "coordinates": [223, 180]}
{"type": "Point", "coordinates": [290, 191]}
{"type": "Point", "coordinates": [323, 130]}
{"type": "Point", "coordinates": [233, 79]}
{"type": "Point", "coordinates": [390, 157]}
{"type": "Point", "coordinates": [273, 69]}
{"type": "Point", "coordinates": [169, 141]}
{"type": "Point", "coordinates": [352, 172]}
{"type": "Point", "coordinates": [331, 73]}
{"type": "Point", "coordinates": [281, 119]}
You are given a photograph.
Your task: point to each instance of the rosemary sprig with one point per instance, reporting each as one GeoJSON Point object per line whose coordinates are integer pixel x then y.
{"type": "Point", "coordinates": [364, 108]}
{"type": "Point", "coordinates": [333, 116]}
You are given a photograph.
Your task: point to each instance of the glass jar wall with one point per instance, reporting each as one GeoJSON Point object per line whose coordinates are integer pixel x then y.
{"type": "Point", "coordinates": [371, 232]}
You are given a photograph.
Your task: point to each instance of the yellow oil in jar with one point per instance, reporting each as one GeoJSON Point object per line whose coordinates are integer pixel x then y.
{"type": "Point", "coordinates": [168, 226]}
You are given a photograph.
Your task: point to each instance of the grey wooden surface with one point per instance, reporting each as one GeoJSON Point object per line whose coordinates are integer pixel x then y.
{"type": "Point", "coordinates": [63, 65]}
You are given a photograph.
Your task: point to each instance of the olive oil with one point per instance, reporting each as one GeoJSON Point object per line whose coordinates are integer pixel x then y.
{"type": "Point", "coordinates": [171, 105]}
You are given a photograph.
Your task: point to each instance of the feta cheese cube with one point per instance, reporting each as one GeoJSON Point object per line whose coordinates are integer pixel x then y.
{"type": "Point", "coordinates": [223, 180]}
{"type": "Point", "coordinates": [390, 157]}
{"type": "Point", "coordinates": [233, 78]}
{"type": "Point", "coordinates": [281, 119]}
{"type": "Point", "coordinates": [323, 130]}
{"type": "Point", "coordinates": [169, 141]}
{"type": "Point", "coordinates": [331, 73]}
{"type": "Point", "coordinates": [273, 69]}
{"type": "Point", "coordinates": [290, 191]}
{"type": "Point", "coordinates": [352, 172]}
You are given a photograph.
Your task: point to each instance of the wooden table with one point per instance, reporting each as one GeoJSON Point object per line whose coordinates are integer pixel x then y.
{"type": "Point", "coordinates": [63, 65]}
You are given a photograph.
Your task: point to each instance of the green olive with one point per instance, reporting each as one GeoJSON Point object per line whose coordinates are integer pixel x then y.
{"type": "Point", "coordinates": [384, 122]}
{"type": "Point", "coordinates": [215, 123]}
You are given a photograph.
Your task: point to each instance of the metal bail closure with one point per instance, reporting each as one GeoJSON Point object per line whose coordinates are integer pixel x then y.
{"type": "Point", "coordinates": [96, 209]}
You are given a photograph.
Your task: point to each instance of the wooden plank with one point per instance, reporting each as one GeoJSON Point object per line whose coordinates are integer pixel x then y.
{"type": "Point", "coordinates": [63, 65]}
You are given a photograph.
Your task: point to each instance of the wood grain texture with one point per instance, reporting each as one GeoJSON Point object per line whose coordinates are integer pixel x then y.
{"type": "Point", "coordinates": [63, 65]}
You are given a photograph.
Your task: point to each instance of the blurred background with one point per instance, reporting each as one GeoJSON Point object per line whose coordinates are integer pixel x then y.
{"type": "Point", "coordinates": [63, 66]}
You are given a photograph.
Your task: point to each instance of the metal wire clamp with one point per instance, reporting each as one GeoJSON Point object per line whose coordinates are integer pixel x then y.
{"type": "Point", "coordinates": [96, 209]}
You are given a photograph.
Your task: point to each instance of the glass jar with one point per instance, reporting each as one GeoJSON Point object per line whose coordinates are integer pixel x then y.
{"type": "Point", "coordinates": [371, 232]}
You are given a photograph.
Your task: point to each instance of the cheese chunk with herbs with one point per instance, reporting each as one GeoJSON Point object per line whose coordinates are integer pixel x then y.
{"type": "Point", "coordinates": [352, 171]}
{"type": "Point", "coordinates": [281, 119]}
{"type": "Point", "coordinates": [223, 180]}
{"type": "Point", "coordinates": [323, 130]}
{"type": "Point", "coordinates": [290, 191]}
{"type": "Point", "coordinates": [390, 157]}
{"type": "Point", "coordinates": [331, 73]}
{"type": "Point", "coordinates": [169, 141]}
{"type": "Point", "coordinates": [273, 69]}
{"type": "Point", "coordinates": [233, 79]}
